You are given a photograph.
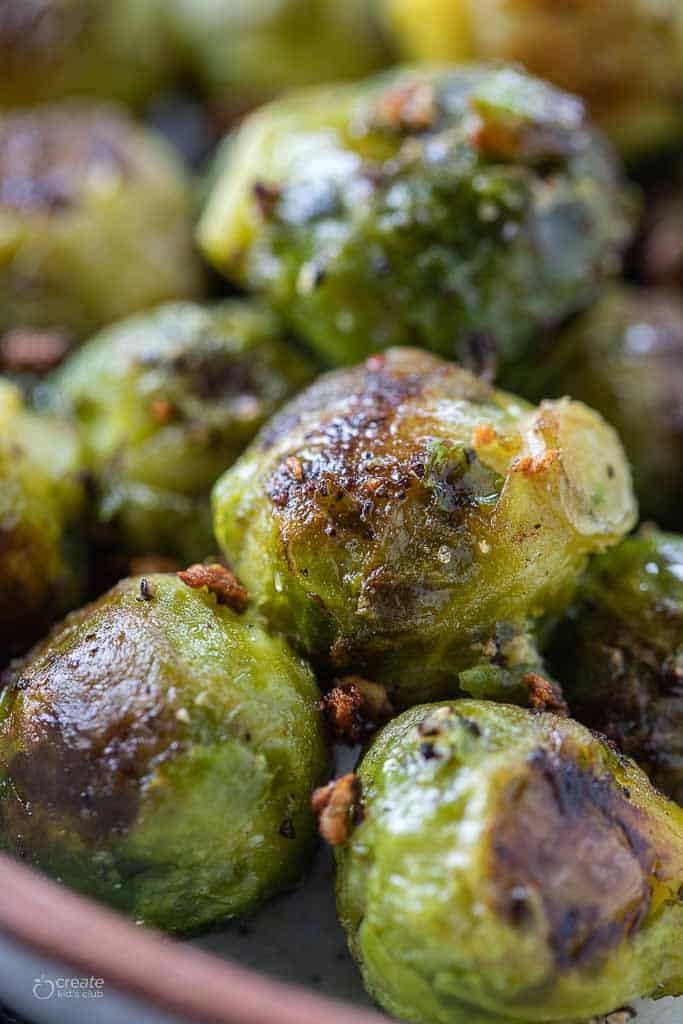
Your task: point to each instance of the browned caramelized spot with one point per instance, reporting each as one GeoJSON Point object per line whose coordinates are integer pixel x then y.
{"type": "Point", "coordinates": [484, 434]}
{"type": "Point", "coordinates": [623, 1016]}
{"type": "Point", "coordinates": [47, 155]}
{"type": "Point", "coordinates": [407, 106]}
{"type": "Point", "coordinates": [30, 351]}
{"type": "Point", "coordinates": [351, 470]}
{"type": "Point", "coordinates": [572, 839]}
{"type": "Point", "coordinates": [148, 565]}
{"type": "Point", "coordinates": [266, 198]}
{"type": "Point", "coordinates": [162, 411]}
{"type": "Point", "coordinates": [295, 467]}
{"type": "Point", "coordinates": [219, 581]}
{"type": "Point", "coordinates": [354, 707]}
{"type": "Point", "coordinates": [545, 695]}
{"type": "Point", "coordinates": [528, 466]}
{"type": "Point", "coordinates": [336, 805]}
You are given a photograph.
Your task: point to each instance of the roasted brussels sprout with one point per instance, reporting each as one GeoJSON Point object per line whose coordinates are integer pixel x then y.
{"type": "Point", "coordinates": [624, 357]}
{"type": "Point", "coordinates": [166, 402]}
{"type": "Point", "coordinates": [244, 51]}
{"type": "Point", "coordinates": [457, 210]}
{"type": "Point", "coordinates": [405, 521]}
{"type": "Point", "coordinates": [506, 866]}
{"type": "Point", "coordinates": [620, 652]}
{"type": "Point", "coordinates": [51, 49]}
{"type": "Point", "coordinates": [42, 504]}
{"type": "Point", "coordinates": [624, 57]}
{"type": "Point", "coordinates": [94, 219]}
{"type": "Point", "coordinates": [158, 752]}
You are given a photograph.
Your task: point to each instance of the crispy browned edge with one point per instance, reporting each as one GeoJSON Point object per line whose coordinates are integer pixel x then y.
{"type": "Point", "coordinates": [163, 972]}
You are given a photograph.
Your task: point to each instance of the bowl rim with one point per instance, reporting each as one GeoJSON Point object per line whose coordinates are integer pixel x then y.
{"type": "Point", "coordinates": [137, 961]}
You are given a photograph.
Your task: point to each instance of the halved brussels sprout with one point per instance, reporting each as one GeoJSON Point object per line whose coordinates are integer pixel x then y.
{"type": "Point", "coordinates": [166, 401]}
{"type": "Point", "coordinates": [95, 219]}
{"type": "Point", "coordinates": [158, 751]}
{"type": "Point", "coordinates": [457, 209]}
{"type": "Point", "coordinates": [504, 867]}
{"type": "Point", "coordinates": [405, 521]}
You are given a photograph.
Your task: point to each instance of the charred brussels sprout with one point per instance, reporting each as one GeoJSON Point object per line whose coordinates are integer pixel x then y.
{"type": "Point", "coordinates": [158, 752]}
{"type": "Point", "coordinates": [51, 49]}
{"type": "Point", "coordinates": [405, 521]}
{"type": "Point", "coordinates": [42, 503]}
{"type": "Point", "coordinates": [457, 210]}
{"type": "Point", "coordinates": [94, 220]}
{"type": "Point", "coordinates": [246, 51]}
{"type": "Point", "coordinates": [166, 402]}
{"type": "Point", "coordinates": [620, 652]}
{"type": "Point", "coordinates": [624, 57]}
{"type": "Point", "coordinates": [624, 357]}
{"type": "Point", "coordinates": [509, 867]}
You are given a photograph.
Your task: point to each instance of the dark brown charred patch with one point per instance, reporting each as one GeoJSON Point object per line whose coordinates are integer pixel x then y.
{"type": "Point", "coordinates": [219, 581]}
{"type": "Point", "coordinates": [88, 719]}
{"type": "Point", "coordinates": [46, 156]}
{"type": "Point", "coordinates": [354, 707]}
{"type": "Point", "coordinates": [337, 806]}
{"type": "Point", "coordinates": [573, 839]}
{"type": "Point", "coordinates": [545, 694]}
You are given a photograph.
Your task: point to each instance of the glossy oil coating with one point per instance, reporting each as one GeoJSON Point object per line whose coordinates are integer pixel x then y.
{"type": "Point", "coordinates": [508, 868]}
{"type": "Point", "coordinates": [405, 521]}
{"type": "Point", "coordinates": [158, 751]}
{"type": "Point", "coordinates": [456, 209]}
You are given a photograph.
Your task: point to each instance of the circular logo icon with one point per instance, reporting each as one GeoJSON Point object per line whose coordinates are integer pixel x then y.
{"type": "Point", "coordinates": [43, 988]}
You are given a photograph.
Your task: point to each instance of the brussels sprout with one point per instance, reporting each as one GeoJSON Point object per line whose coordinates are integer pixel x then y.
{"type": "Point", "coordinates": [42, 501]}
{"type": "Point", "coordinates": [166, 402]}
{"type": "Point", "coordinates": [158, 752]}
{"type": "Point", "coordinates": [94, 219]}
{"type": "Point", "coordinates": [51, 49]}
{"type": "Point", "coordinates": [457, 210]}
{"type": "Point", "coordinates": [508, 867]}
{"type": "Point", "coordinates": [620, 652]}
{"type": "Point", "coordinates": [405, 521]}
{"type": "Point", "coordinates": [244, 51]}
{"type": "Point", "coordinates": [624, 357]}
{"type": "Point", "coordinates": [624, 57]}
